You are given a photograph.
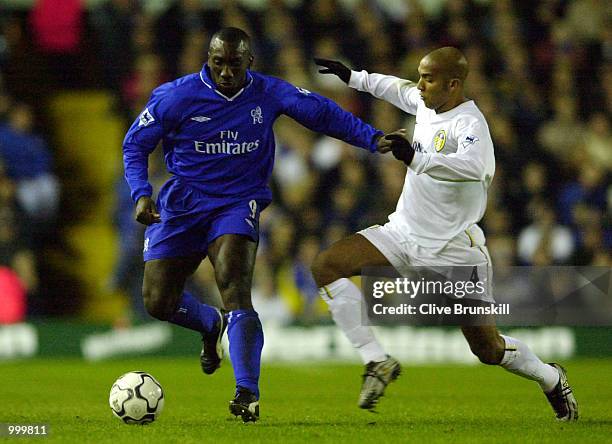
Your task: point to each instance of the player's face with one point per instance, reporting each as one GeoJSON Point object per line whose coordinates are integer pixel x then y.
{"type": "Point", "coordinates": [228, 65]}
{"type": "Point", "coordinates": [434, 86]}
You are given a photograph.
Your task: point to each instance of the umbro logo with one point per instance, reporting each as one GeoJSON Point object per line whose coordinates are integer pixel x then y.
{"type": "Point", "coordinates": [201, 118]}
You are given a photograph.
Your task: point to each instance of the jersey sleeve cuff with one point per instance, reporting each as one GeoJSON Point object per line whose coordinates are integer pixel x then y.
{"type": "Point", "coordinates": [356, 79]}
{"type": "Point", "coordinates": [140, 193]}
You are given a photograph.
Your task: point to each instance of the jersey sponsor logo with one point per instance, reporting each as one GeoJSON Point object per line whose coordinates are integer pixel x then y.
{"type": "Point", "coordinates": [469, 140]}
{"type": "Point", "coordinates": [257, 115]}
{"type": "Point", "coordinates": [439, 140]}
{"type": "Point", "coordinates": [225, 147]}
{"type": "Point", "coordinates": [303, 90]}
{"type": "Point", "coordinates": [201, 118]}
{"type": "Point", "coordinates": [417, 147]}
{"type": "Point", "coordinates": [146, 118]}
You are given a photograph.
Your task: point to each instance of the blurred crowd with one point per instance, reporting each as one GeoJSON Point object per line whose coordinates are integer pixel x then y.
{"type": "Point", "coordinates": [541, 72]}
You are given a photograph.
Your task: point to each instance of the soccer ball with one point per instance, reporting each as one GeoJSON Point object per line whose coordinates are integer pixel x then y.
{"type": "Point", "coordinates": [136, 398]}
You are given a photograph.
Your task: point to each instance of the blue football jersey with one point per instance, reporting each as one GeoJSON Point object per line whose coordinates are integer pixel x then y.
{"type": "Point", "coordinates": [224, 146]}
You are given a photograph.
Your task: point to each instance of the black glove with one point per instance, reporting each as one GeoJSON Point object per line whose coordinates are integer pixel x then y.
{"type": "Point", "coordinates": [401, 148]}
{"type": "Point", "coordinates": [334, 67]}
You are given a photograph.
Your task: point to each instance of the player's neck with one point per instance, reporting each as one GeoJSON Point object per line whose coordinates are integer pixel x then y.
{"type": "Point", "coordinates": [452, 104]}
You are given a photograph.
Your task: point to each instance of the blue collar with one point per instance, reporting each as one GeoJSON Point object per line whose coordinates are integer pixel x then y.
{"type": "Point", "coordinates": [209, 82]}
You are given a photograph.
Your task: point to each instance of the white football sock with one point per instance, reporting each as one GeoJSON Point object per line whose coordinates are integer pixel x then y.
{"type": "Point", "coordinates": [344, 300]}
{"type": "Point", "coordinates": [519, 359]}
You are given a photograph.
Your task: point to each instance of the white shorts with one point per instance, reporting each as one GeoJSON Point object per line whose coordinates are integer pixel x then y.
{"type": "Point", "coordinates": [467, 249]}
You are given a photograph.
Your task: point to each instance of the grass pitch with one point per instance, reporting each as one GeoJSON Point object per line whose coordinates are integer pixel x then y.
{"type": "Point", "coordinates": [314, 403]}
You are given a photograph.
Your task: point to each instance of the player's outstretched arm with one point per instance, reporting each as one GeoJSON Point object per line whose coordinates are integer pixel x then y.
{"type": "Point", "coordinates": [322, 115]}
{"type": "Point", "coordinates": [394, 90]}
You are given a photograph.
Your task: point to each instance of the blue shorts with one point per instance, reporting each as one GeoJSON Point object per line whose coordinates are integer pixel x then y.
{"type": "Point", "coordinates": [191, 220]}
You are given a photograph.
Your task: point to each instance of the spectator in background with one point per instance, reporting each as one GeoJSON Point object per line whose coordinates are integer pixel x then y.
{"type": "Point", "coordinates": [182, 18]}
{"type": "Point", "coordinates": [28, 163]}
{"type": "Point", "coordinates": [544, 242]}
{"type": "Point", "coordinates": [113, 22]}
{"type": "Point", "coordinates": [561, 135]}
{"type": "Point", "coordinates": [592, 239]}
{"type": "Point", "coordinates": [586, 19]}
{"type": "Point", "coordinates": [598, 141]}
{"type": "Point", "coordinates": [191, 56]}
{"type": "Point", "coordinates": [146, 75]}
{"type": "Point", "coordinates": [18, 274]}
{"type": "Point", "coordinates": [279, 30]}
{"type": "Point", "coordinates": [591, 187]}
{"type": "Point", "coordinates": [58, 30]}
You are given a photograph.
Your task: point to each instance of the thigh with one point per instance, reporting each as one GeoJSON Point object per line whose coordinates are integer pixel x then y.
{"type": "Point", "coordinates": [355, 252]}
{"type": "Point", "coordinates": [168, 276]}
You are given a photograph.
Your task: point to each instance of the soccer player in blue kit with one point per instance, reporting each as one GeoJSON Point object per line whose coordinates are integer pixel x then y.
{"type": "Point", "coordinates": [218, 143]}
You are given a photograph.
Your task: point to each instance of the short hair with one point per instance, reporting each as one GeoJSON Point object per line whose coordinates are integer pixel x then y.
{"type": "Point", "coordinates": [233, 36]}
{"type": "Point", "coordinates": [451, 61]}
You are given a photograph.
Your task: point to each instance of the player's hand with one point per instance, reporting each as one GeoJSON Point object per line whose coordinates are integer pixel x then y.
{"type": "Point", "coordinates": [400, 146]}
{"type": "Point", "coordinates": [334, 67]}
{"type": "Point", "coordinates": [146, 211]}
{"type": "Point", "coordinates": [383, 145]}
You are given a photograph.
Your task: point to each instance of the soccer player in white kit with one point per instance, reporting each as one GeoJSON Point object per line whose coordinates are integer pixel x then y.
{"type": "Point", "coordinates": [450, 167]}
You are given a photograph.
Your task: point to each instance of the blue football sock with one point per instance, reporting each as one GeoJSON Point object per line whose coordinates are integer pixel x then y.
{"type": "Point", "coordinates": [195, 315]}
{"type": "Point", "coordinates": [246, 340]}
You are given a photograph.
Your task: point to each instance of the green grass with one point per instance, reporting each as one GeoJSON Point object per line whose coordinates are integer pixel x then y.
{"type": "Point", "coordinates": [306, 403]}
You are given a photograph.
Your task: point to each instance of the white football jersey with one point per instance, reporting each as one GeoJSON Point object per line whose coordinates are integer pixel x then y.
{"type": "Point", "coordinates": [445, 190]}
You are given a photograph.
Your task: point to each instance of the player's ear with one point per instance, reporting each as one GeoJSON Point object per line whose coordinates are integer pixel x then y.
{"type": "Point", "coordinates": [251, 58]}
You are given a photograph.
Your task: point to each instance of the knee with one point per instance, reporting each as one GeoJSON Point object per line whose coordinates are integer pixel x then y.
{"type": "Point", "coordinates": [488, 354]}
{"type": "Point", "coordinates": [327, 268]}
{"type": "Point", "coordinates": [157, 305]}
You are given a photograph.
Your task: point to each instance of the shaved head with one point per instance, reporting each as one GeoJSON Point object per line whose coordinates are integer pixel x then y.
{"type": "Point", "coordinates": [450, 62]}
{"type": "Point", "coordinates": [442, 76]}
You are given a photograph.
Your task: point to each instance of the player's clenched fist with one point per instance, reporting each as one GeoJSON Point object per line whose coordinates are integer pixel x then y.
{"type": "Point", "coordinates": [146, 211]}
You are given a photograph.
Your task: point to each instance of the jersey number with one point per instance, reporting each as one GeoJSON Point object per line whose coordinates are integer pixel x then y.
{"type": "Point", "coordinates": [253, 207]}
